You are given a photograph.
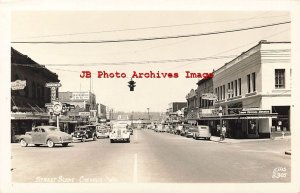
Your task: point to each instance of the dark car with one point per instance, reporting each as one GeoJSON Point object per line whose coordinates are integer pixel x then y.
{"type": "Point", "coordinates": [130, 130]}
{"type": "Point", "coordinates": [85, 132]}
{"type": "Point", "coordinates": [190, 132]}
{"type": "Point", "coordinates": [184, 129]}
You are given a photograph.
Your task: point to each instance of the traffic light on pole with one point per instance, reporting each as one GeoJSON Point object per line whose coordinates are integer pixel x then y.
{"type": "Point", "coordinates": [131, 85]}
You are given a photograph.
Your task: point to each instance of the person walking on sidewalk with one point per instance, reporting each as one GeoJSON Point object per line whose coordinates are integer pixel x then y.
{"type": "Point", "coordinates": [223, 133]}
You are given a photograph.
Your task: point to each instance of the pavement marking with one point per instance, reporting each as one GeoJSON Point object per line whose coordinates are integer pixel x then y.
{"type": "Point", "coordinates": [261, 151]}
{"type": "Point", "coordinates": [135, 179]}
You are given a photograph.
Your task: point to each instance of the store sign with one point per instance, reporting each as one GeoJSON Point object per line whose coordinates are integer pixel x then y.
{"type": "Point", "coordinates": [52, 84]}
{"type": "Point", "coordinates": [18, 85]}
{"type": "Point", "coordinates": [80, 96]}
{"type": "Point", "coordinates": [255, 112]}
{"type": "Point", "coordinates": [84, 114]}
{"type": "Point", "coordinates": [209, 96]}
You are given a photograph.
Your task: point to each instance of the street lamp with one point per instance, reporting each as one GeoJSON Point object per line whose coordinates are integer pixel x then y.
{"type": "Point", "coordinates": [148, 114]}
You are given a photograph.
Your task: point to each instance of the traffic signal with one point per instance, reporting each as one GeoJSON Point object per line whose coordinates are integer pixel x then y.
{"type": "Point", "coordinates": [131, 85]}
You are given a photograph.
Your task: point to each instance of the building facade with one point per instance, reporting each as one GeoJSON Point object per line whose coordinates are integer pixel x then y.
{"type": "Point", "coordinates": [28, 103]}
{"type": "Point", "coordinates": [254, 91]}
{"type": "Point", "coordinates": [175, 111]}
{"type": "Point", "coordinates": [198, 101]}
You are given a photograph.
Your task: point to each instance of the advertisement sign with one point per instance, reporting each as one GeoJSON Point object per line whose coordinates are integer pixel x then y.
{"type": "Point", "coordinates": [209, 96]}
{"type": "Point", "coordinates": [52, 84]}
{"type": "Point", "coordinates": [18, 85]}
{"type": "Point", "coordinates": [80, 96]}
{"type": "Point", "coordinates": [84, 114]}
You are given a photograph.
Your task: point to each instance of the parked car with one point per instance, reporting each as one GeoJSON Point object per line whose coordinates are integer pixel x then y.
{"type": "Point", "coordinates": [190, 132]}
{"type": "Point", "coordinates": [85, 132]}
{"type": "Point", "coordinates": [130, 130]}
{"type": "Point", "coordinates": [102, 132]}
{"type": "Point", "coordinates": [165, 128]}
{"type": "Point", "coordinates": [48, 135]}
{"type": "Point", "coordinates": [159, 128]}
{"type": "Point", "coordinates": [202, 131]}
{"type": "Point", "coordinates": [178, 129]}
{"type": "Point", "coordinates": [185, 129]}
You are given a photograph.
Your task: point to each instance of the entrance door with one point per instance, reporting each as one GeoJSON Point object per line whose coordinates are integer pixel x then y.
{"type": "Point", "coordinates": [252, 130]}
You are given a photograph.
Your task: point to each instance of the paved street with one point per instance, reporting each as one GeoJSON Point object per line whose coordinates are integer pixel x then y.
{"type": "Point", "coordinates": [154, 157]}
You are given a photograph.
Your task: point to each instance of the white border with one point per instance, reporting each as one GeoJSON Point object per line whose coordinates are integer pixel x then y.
{"type": "Point", "coordinates": [258, 5]}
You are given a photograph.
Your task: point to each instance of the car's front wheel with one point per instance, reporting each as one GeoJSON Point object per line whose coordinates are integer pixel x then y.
{"type": "Point", "coordinates": [50, 143]}
{"type": "Point", "coordinates": [112, 141]}
{"type": "Point", "coordinates": [65, 144]}
{"type": "Point", "coordinates": [23, 143]}
{"type": "Point", "coordinates": [83, 139]}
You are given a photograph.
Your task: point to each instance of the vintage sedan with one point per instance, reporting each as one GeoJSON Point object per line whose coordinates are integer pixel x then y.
{"type": "Point", "coordinates": [102, 132]}
{"type": "Point", "coordinates": [85, 132]}
{"type": "Point", "coordinates": [119, 133]}
{"type": "Point", "coordinates": [48, 135]}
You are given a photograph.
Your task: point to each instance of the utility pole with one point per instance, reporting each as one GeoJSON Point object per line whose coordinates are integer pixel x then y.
{"type": "Point", "coordinates": [148, 114]}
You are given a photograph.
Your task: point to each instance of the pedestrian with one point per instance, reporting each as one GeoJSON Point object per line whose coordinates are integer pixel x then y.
{"type": "Point", "coordinates": [223, 133]}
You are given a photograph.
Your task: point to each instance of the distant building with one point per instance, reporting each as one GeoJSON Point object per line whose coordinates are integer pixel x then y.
{"type": "Point", "coordinates": [200, 101]}
{"type": "Point", "coordinates": [174, 112]}
{"type": "Point", "coordinates": [85, 100]}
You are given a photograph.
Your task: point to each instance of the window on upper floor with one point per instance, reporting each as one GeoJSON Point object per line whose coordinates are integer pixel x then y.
{"type": "Point", "coordinates": [240, 86]}
{"type": "Point", "coordinates": [235, 88]}
{"type": "Point", "coordinates": [249, 83]}
{"type": "Point", "coordinates": [228, 90]}
{"type": "Point", "coordinates": [253, 81]}
{"type": "Point", "coordinates": [279, 78]}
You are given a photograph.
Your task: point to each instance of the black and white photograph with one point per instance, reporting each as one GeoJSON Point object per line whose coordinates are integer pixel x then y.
{"type": "Point", "coordinates": [157, 100]}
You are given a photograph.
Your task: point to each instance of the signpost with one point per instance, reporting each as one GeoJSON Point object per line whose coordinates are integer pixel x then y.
{"type": "Point", "coordinates": [53, 86]}
{"type": "Point", "coordinates": [54, 107]}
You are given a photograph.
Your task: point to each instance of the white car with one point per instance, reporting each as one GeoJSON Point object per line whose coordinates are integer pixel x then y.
{"type": "Point", "coordinates": [119, 133]}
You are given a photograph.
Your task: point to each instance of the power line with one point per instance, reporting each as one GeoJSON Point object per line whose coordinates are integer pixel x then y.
{"type": "Point", "coordinates": [133, 62]}
{"type": "Point", "coordinates": [154, 27]}
{"type": "Point", "coordinates": [150, 38]}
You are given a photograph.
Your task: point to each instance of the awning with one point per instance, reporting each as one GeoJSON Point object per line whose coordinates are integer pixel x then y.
{"type": "Point", "coordinates": [240, 116]}
{"type": "Point", "coordinates": [29, 116]}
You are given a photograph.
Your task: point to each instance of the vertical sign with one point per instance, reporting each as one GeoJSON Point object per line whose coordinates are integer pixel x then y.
{"type": "Point", "coordinates": [53, 86]}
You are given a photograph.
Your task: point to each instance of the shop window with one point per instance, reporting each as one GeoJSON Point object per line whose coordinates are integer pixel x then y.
{"type": "Point", "coordinates": [279, 78]}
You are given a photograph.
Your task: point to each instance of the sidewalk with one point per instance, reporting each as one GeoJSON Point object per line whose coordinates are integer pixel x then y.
{"type": "Point", "coordinates": [230, 140]}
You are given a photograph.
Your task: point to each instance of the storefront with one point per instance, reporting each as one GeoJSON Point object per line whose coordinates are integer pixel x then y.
{"type": "Point", "coordinates": [24, 122]}
{"type": "Point", "coordinates": [246, 124]}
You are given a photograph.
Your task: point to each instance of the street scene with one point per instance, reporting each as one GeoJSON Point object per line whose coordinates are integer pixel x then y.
{"type": "Point", "coordinates": [153, 157]}
{"type": "Point", "coordinates": [151, 97]}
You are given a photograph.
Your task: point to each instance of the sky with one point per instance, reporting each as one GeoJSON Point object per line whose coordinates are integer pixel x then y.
{"type": "Point", "coordinates": [151, 93]}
